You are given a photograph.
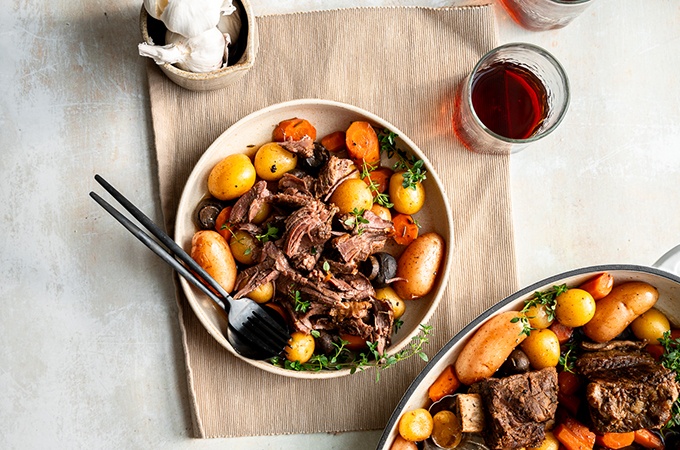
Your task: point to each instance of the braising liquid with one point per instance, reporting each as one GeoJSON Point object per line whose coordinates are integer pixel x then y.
{"type": "Point", "coordinates": [509, 100]}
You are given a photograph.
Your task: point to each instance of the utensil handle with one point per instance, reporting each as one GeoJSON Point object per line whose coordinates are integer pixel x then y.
{"type": "Point", "coordinates": [155, 247]}
{"type": "Point", "coordinates": [162, 236]}
{"type": "Point", "coordinates": [670, 262]}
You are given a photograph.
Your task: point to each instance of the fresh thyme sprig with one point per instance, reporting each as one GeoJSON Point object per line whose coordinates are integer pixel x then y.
{"type": "Point", "coordinates": [342, 358]}
{"type": "Point", "coordinates": [547, 299]}
{"type": "Point", "coordinates": [378, 197]}
{"type": "Point", "coordinates": [670, 359]}
{"type": "Point", "coordinates": [413, 167]}
{"type": "Point", "coordinates": [271, 234]}
{"type": "Point", "coordinates": [568, 357]}
{"type": "Point", "coordinates": [300, 304]}
{"type": "Point", "coordinates": [356, 218]}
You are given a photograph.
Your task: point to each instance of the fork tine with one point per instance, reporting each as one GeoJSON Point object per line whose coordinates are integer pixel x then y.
{"type": "Point", "coordinates": [249, 336]}
{"type": "Point", "coordinates": [275, 329]}
{"type": "Point", "coordinates": [254, 328]}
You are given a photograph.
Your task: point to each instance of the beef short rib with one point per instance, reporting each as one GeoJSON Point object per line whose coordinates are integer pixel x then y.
{"type": "Point", "coordinates": [517, 408]}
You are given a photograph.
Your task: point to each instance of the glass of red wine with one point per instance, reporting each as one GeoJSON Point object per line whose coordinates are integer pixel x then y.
{"type": "Point", "coordinates": [541, 15]}
{"type": "Point", "coordinates": [515, 95]}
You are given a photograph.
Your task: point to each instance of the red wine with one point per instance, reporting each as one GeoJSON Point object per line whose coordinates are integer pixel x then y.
{"type": "Point", "coordinates": [509, 100]}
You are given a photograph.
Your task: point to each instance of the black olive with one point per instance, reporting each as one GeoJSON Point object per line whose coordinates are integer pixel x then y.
{"type": "Point", "coordinates": [380, 268]}
{"type": "Point", "coordinates": [517, 362]}
{"type": "Point", "coordinates": [207, 212]}
{"type": "Point", "coordinates": [314, 163]}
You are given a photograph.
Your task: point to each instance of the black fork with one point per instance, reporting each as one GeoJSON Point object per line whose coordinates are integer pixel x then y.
{"type": "Point", "coordinates": [252, 331]}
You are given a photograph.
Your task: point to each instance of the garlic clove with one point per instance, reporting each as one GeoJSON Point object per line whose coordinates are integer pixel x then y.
{"type": "Point", "coordinates": [190, 18]}
{"type": "Point", "coordinates": [155, 7]}
{"type": "Point", "coordinates": [227, 7]}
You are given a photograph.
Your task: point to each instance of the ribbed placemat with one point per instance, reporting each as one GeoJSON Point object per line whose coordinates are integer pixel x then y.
{"type": "Point", "coordinates": [401, 63]}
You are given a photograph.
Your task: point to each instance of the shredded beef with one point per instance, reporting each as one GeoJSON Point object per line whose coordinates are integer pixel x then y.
{"type": "Point", "coordinates": [247, 207]}
{"type": "Point", "coordinates": [331, 175]}
{"type": "Point", "coordinates": [313, 260]}
{"type": "Point", "coordinates": [364, 239]}
{"type": "Point", "coordinates": [304, 147]}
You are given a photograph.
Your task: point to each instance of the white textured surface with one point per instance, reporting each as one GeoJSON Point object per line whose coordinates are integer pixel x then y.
{"type": "Point", "coordinates": [90, 354]}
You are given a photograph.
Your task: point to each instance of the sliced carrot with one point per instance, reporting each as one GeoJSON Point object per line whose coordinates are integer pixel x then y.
{"type": "Point", "coordinates": [405, 229]}
{"type": "Point", "coordinates": [568, 439]}
{"type": "Point", "coordinates": [356, 343]}
{"type": "Point", "coordinates": [334, 142]}
{"type": "Point", "coordinates": [362, 143]}
{"type": "Point", "coordinates": [569, 383]}
{"type": "Point", "coordinates": [615, 440]}
{"type": "Point", "coordinates": [647, 439]}
{"type": "Point", "coordinates": [222, 223]}
{"type": "Point", "coordinates": [446, 384]}
{"type": "Point", "coordinates": [294, 129]}
{"type": "Point", "coordinates": [581, 431]}
{"type": "Point", "coordinates": [599, 286]}
{"type": "Point", "coordinates": [380, 178]}
{"type": "Point", "coordinates": [562, 332]}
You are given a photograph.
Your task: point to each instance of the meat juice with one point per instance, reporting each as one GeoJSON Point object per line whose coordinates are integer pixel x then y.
{"type": "Point", "coordinates": [510, 100]}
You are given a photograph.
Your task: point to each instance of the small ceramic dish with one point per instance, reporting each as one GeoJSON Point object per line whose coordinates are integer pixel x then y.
{"type": "Point", "coordinates": [246, 136]}
{"type": "Point", "coordinates": [241, 58]}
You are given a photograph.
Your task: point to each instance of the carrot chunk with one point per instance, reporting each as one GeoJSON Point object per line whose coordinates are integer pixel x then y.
{"type": "Point", "coordinates": [615, 440]}
{"type": "Point", "coordinates": [405, 229]}
{"type": "Point", "coordinates": [294, 129]}
{"type": "Point", "coordinates": [362, 143]}
{"type": "Point", "coordinates": [446, 384]}
{"type": "Point", "coordinates": [647, 439]}
{"type": "Point", "coordinates": [334, 142]}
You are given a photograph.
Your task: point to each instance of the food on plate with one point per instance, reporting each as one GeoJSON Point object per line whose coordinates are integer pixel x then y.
{"type": "Point", "coordinates": [231, 177]}
{"type": "Point", "coordinates": [619, 308]}
{"type": "Point", "coordinates": [418, 266]}
{"type": "Point", "coordinates": [416, 425]}
{"type": "Point", "coordinates": [310, 233]}
{"type": "Point", "coordinates": [407, 195]}
{"type": "Point", "coordinates": [553, 386]}
{"type": "Point", "coordinates": [212, 253]}
{"type": "Point", "coordinates": [489, 347]}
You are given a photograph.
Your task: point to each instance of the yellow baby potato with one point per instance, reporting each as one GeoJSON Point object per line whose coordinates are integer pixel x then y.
{"type": "Point", "coordinates": [232, 177]}
{"type": "Point", "coordinates": [416, 425]}
{"type": "Point", "coordinates": [273, 161]}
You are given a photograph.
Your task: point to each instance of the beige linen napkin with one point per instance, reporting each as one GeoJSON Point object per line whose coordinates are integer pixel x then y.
{"type": "Point", "coordinates": [399, 63]}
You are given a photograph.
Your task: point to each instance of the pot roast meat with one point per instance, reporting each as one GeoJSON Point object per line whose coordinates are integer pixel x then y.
{"type": "Point", "coordinates": [628, 399]}
{"type": "Point", "coordinates": [517, 408]}
{"type": "Point", "coordinates": [336, 298]}
{"type": "Point", "coordinates": [303, 147]}
{"type": "Point", "coordinates": [331, 175]}
{"type": "Point", "coordinates": [246, 208]}
{"type": "Point", "coordinates": [364, 239]}
{"type": "Point", "coordinates": [307, 230]}
{"type": "Point", "coordinates": [592, 363]}
{"type": "Point", "coordinates": [627, 390]}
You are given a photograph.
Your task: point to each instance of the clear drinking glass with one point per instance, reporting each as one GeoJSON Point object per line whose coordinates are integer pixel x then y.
{"type": "Point", "coordinates": [541, 15]}
{"type": "Point", "coordinates": [516, 94]}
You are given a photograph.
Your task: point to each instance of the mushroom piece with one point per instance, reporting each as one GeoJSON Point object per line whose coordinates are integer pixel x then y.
{"type": "Point", "coordinates": [207, 212]}
{"type": "Point", "coordinates": [380, 268]}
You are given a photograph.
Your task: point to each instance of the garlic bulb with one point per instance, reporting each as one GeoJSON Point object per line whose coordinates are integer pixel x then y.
{"type": "Point", "coordinates": [230, 22]}
{"type": "Point", "coordinates": [155, 7]}
{"type": "Point", "coordinates": [187, 17]}
{"type": "Point", "coordinates": [203, 53]}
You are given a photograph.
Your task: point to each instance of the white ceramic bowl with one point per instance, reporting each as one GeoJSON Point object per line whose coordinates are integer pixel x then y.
{"type": "Point", "coordinates": [246, 136]}
{"type": "Point", "coordinates": [153, 31]}
{"type": "Point", "coordinates": [665, 276]}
